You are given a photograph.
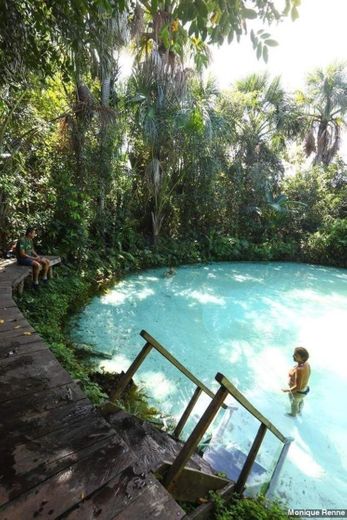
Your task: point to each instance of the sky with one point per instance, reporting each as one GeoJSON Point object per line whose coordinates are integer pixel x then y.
{"type": "Point", "coordinates": [316, 39]}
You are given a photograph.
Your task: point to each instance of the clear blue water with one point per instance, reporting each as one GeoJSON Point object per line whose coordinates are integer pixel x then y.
{"type": "Point", "coordinates": [242, 319]}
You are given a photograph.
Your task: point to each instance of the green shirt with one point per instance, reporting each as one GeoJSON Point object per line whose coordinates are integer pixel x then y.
{"type": "Point", "coordinates": [24, 244]}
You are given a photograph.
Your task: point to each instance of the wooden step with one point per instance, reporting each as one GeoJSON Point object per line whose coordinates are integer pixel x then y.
{"type": "Point", "coordinates": [192, 484]}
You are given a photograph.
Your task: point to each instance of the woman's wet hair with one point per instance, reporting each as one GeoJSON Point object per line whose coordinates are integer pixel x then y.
{"type": "Point", "coordinates": [302, 353]}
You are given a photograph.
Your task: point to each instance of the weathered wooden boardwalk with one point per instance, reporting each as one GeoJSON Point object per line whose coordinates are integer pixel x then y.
{"type": "Point", "coordinates": [59, 457]}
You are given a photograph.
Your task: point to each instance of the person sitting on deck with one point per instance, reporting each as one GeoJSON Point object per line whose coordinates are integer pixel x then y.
{"type": "Point", "coordinates": [298, 381]}
{"type": "Point", "coordinates": [26, 255]}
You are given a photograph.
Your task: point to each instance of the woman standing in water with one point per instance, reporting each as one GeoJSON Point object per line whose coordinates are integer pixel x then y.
{"type": "Point", "coordinates": [298, 381]}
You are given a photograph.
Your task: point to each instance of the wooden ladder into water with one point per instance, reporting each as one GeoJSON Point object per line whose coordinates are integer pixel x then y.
{"type": "Point", "coordinates": [174, 475]}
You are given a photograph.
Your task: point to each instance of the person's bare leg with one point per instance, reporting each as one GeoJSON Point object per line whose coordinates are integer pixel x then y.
{"type": "Point", "coordinates": [45, 265]}
{"type": "Point", "coordinates": [36, 271]}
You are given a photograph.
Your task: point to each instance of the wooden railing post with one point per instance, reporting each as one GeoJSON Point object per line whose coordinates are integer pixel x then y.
{"type": "Point", "coordinates": [195, 437]}
{"type": "Point", "coordinates": [187, 413]}
{"type": "Point", "coordinates": [125, 379]}
{"type": "Point", "coordinates": [240, 484]}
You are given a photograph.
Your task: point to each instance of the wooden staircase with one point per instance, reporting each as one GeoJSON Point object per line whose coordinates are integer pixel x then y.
{"type": "Point", "coordinates": [179, 479]}
{"type": "Point", "coordinates": [157, 450]}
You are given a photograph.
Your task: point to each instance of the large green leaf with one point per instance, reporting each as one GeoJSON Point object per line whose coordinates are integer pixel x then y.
{"type": "Point", "coordinates": [271, 43]}
{"type": "Point", "coordinates": [249, 13]}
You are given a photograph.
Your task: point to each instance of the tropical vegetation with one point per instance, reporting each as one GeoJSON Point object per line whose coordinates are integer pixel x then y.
{"type": "Point", "coordinates": [161, 168]}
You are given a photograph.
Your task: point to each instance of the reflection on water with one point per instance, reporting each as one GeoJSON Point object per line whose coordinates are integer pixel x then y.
{"type": "Point", "coordinates": [242, 319]}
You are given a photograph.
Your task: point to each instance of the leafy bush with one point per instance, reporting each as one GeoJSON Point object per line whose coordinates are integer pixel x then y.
{"type": "Point", "coordinates": [219, 247]}
{"type": "Point", "coordinates": [134, 399]}
{"type": "Point", "coordinates": [248, 509]}
{"type": "Point", "coordinates": [274, 250]}
{"type": "Point", "coordinates": [329, 244]}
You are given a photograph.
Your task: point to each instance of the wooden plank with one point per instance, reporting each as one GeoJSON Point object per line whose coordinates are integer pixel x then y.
{"type": "Point", "coordinates": [10, 313]}
{"type": "Point", "coordinates": [30, 426]}
{"type": "Point", "coordinates": [154, 503]}
{"type": "Point", "coordinates": [13, 352]}
{"type": "Point", "coordinates": [5, 288]}
{"type": "Point", "coordinates": [193, 484]}
{"type": "Point", "coordinates": [30, 373]}
{"type": "Point", "coordinates": [151, 445]}
{"type": "Point", "coordinates": [114, 496]}
{"type": "Point", "coordinates": [16, 329]}
{"type": "Point", "coordinates": [53, 260]}
{"type": "Point", "coordinates": [26, 464]}
{"type": "Point", "coordinates": [222, 380]}
{"type": "Point", "coordinates": [165, 353]}
{"type": "Point", "coordinates": [4, 262]}
{"type": "Point", "coordinates": [24, 408]}
{"type": "Point", "coordinates": [93, 467]}
{"type": "Point", "coordinates": [20, 339]}
{"type": "Point", "coordinates": [13, 274]}
{"type": "Point", "coordinates": [20, 277]}
{"type": "Point", "coordinates": [7, 303]}
{"type": "Point", "coordinates": [15, 324]}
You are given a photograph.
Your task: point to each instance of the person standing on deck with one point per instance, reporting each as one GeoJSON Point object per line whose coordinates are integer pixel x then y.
{"type": "Point", "coordinates": [26, 255]}
{"type": "Point", "coordinates": [299, 376]}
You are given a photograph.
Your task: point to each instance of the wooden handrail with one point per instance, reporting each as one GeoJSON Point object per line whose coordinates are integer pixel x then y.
{"type": "Point", "coordinates": [265, 425]}
{"type": "Point", "coordinates": [226, 387]}
{"type": "Point", "coordinates": [162, 350]}
{"type": "Point", "coordinates": [153, 343]}
{"type": "Point", "coordinates": [249, 407]}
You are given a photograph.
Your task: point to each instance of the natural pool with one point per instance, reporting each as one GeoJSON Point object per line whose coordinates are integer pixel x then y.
{"type": "Point", "coordinates": [242, 319]}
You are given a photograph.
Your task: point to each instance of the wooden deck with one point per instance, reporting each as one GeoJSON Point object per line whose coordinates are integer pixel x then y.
{"type": "Point", "coordinates": [59, 457]}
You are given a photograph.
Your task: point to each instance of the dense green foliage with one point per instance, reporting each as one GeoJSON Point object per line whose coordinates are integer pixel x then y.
{"type": "Point", "coordinates": [248, 509]}
{"type": "Point", "coordinates": [219, 182]}
{"type": "Point", "coordinates": [108, 170]}
{"type": "Point", "coordinates": [163, 168]}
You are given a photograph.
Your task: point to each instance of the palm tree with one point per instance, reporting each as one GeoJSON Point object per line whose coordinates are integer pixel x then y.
{"type": "Point", "coordinates": [159, 91]}
{"type": "Point", "coordinates": [326, 105]}
{"type": "Point", "coordinates": [263, 118]}
{"type": "Point", "coordinates": [111, 35]}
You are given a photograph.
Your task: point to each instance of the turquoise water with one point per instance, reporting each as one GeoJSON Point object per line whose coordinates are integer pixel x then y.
{"type": "Point", "coordinates": [242, 319]}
